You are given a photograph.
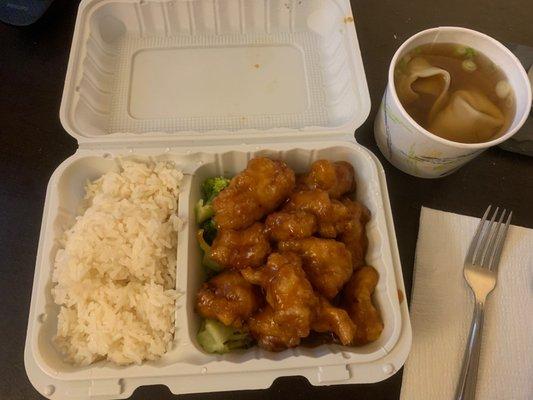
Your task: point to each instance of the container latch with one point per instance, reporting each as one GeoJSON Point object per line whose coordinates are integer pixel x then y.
{"type": "Point", "coordinates": [333, 373]}
{"type": "Point", "coordinates": [105, 387]}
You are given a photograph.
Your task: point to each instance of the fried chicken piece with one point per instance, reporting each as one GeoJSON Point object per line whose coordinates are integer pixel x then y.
{"type": "Point", "coordinates": [271, 180]}
{"type": "Point", "coordinates": [229, 298]}
{"type": "Point", "coordinates": [347, 223]}
{"type": "Point", "coordinates": [335, 178]}
{"type": "Point", "coordinates": [271, 335]}
{"type": "Point", "coordinates": [236, 208]}
{"type": "Point", "coordinates": [287, 290]}
{"type": "Point", "coordinates": [318, 203]}
{"type": "Point", "coordinates": [290, 225]}
{"type": "Point", "coordinates": [241, 249]}
{"type": "Point", "coordinates": [340, 216]}
{"type": "Point", "coordinates": [334, 319]}
{"type": "Point", "coordinates": [353, 232]}
{"type": "Point", "coordinates": [327, 263]}
{"type": "Point", "coordinates": [333, 216]}
{"type": "Point", "coordinates": [357, 301]}
{"type": "Point", "coordinates": [290, 296]}
{"type": "Point", "coordinates": [253, 193]}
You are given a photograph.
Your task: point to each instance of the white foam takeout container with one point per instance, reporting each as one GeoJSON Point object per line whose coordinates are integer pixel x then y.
{"type": "Point", "coordinates": [210, 84]}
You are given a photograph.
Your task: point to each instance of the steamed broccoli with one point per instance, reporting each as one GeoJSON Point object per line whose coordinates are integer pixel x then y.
{"type": "Point", "coordinates": [203, 211]}
{"type": "Point", "coordinates": [216, 337]}
{"type": "Point", "coordinates": [207, 261]}
{"type": "Point", "coordinates": [210, 230]}
{"type": "Point", "coordinates": [210, 188]}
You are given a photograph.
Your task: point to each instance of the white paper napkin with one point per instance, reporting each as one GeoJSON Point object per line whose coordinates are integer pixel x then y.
{"type": "Point", "coordinates": [441, 312]}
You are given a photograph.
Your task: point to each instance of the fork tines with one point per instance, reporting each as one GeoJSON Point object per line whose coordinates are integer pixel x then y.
{"type": "Point", "coordinates": [487, 244]}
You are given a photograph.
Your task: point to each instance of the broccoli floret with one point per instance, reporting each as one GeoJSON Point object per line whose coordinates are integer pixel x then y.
{"type": "Point", "coordinates": [216, 337]}
{"type": "Point", "coordinates": [212, 187]}
{"type": "Point", "coordinates": [207, 261]}
{"type": "Point", "coordinates": [203, 211]}
{"type": "Point", "coordinates": [211, 265]}
{"type": "Point", "coordinates": [210, 231]}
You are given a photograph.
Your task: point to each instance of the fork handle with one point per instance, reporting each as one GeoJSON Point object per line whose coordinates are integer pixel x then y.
{"type": "Point", "coordinates": [466, 388]}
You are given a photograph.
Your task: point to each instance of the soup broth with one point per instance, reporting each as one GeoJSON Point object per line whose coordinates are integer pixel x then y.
{"type": "Point", "coordinates": [476, 104]}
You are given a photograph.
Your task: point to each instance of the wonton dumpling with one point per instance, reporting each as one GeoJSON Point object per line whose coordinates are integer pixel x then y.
{"type": "Point", "coordinates": [420, 77]}
{"type": "Point", "coordinates": [468, 117]}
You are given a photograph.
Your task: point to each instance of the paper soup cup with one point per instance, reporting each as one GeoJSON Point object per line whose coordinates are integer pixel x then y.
{"type": "Point", "coordinates": [417, 151]}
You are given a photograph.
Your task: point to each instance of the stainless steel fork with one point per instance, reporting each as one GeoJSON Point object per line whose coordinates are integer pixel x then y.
{"type": "Point", "coordinates": [480, 271]}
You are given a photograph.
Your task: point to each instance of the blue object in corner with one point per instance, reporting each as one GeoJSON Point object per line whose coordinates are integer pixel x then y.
{"type": "Point", "coordinates": [22, 12]}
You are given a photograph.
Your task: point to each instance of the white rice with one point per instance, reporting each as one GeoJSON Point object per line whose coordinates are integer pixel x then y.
{"type": "Point", "coordinates": [115, 273]}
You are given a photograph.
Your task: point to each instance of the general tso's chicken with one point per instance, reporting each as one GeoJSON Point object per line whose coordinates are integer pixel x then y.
{"type": "Point", "coordinates": [335, 178]}
{"type": "Point", "coordinates": [347, 223]}
{"type": "Point", "coordinates": [353, 233]}
{"type": "Point", "coordinates": [340, 216]}
{"type": "Point", "coordinates": [271, 335]}
{"type": "Point", "coordinates": [236, 208]}
{"type": "Point", "coordinates": [357, 301]}
{"type": "Point", "coordinates": [240, 249]}
{"type": "Point", "coordinates": [290, 225]}
{"type": "Point", "coordinates": [334, 319]}
{"type": "Point", "coordinates": [318, 203]}
{"type": "Point", "coordinates": [327, 263]}
{"type": "Point", "coordinates": [332, 215]}
{"type": "Point", "coordinates": [229, 298]}
{"type": "Point", "coordinates": [253, 193]}
{"type": "Point", "coordinates": [287, 290]}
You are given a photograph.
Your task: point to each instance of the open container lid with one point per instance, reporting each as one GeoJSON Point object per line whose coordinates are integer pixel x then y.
{"type": "Point", "coordinates": [211, 70]}
{"type": "Point", "coordinates": [194, 74]}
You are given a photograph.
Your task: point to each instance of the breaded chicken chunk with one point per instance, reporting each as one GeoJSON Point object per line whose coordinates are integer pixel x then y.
{"type": "Point", "coordinates": [357, 301]}
{"type": "Point", "coordinates": [317, 203]}
{"type": "Point", "coordinates": [240, 249]}
{"type": "Point", "coordinates": [340, 216]}
{"type": "Point", "coordinates": [327, 263]}
{"type": "Point", "coordinates": [334, 319]}
{"type": "Point", "coordinates": [252, 194]}
{"type": "Point", "coordinates": [353, 232]}
{"type": "Point", "coordinates": [229, 298]}
{"type": "Point", "coordinates": [290, 225]}
{"type": "Point", "coordinates": [336, 178]}
{"type": "Point", "coordinates": [271, 335]}
{"type": "Point", "coordinates": [288, 292]}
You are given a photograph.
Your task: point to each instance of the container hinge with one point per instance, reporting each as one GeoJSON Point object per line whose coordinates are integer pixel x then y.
{"type": "Point", "coordinates": [332, 373]}
{"type": "Point", "coordinates": [105, 387]}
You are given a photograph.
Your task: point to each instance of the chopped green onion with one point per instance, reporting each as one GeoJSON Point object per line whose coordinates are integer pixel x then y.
{"type": "Point", "coordinates": [470, 52]}
{"type": "Point", "coordinates": [460, 50]}
{"type": "Point", "coordinates": [503, 89]}
{"type": "Point", "coordinates": [466, 52]}
{"type": "Point", "coordinates": [401, 65]}
{"type": "Point", "coordinates": [469, 65]}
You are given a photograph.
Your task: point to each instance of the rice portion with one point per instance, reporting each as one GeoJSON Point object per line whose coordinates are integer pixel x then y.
{"type": "Point", "coordinates": [115, 273]}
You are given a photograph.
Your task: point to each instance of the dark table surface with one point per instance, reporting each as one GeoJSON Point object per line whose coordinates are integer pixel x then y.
{"type": "Point", "coordinates": [33, 62]}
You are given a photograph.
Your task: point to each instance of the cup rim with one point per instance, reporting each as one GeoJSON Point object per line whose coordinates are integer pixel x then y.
{"type": "Point", "coordinates": [432, 136]}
